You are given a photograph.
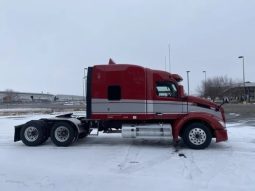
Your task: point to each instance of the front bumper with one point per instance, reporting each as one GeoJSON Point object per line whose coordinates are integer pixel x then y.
{"type": "Point", "coordinates": [221, 135]}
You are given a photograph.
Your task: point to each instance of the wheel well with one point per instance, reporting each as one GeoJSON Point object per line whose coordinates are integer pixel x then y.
{"type": "Point", "coordinates": [195, 121]}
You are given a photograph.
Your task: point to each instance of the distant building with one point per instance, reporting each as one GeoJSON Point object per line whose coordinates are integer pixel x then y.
{"type": "Point", "coordinates": [13, 96]}
{"type": "Point", "coordinates": [237, 92]}
{"type": "Point", "coordinates": [61, 97]}
{"type": "Point", "coordinates": [25, 97]}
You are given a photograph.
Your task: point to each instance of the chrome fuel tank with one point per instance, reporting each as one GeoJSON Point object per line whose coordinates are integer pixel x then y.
{"type": "Point", "coordinates": [152, 130]}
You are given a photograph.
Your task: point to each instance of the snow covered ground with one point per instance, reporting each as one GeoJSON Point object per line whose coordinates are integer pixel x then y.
{"type": "Point", "coordinates": [109, 162]}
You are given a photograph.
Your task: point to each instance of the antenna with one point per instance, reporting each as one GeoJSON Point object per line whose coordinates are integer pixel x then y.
{"type": "Point", "coordinates": [165, 63]}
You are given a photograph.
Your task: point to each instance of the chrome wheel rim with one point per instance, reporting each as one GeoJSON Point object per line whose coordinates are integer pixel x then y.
{"type": "Point", "coordinates": [197, 136]}
{"type": "Point", "coordinates": [62, 134]}
{"type": "Point", "coordinates": [31, 134]}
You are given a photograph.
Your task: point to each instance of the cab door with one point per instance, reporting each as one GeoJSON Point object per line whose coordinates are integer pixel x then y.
{"type": "Point", "coordinates": [166, 104]}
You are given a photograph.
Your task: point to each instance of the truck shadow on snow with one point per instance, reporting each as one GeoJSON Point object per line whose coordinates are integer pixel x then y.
{"type": "Point", "coordinates": [118, 141]}
{"type": "Point", "coordinates": [114, 141]}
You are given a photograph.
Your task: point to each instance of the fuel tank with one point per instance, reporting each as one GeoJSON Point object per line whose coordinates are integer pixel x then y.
{"type": "Point", "coordinates": [145, 131]}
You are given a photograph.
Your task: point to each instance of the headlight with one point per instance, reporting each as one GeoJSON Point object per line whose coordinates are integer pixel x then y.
{"type": "Point", "coordinates": [223, 124]}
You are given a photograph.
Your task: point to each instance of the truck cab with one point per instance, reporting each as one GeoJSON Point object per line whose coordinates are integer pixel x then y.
{"type": "Point", "coordinates": [131, 94]}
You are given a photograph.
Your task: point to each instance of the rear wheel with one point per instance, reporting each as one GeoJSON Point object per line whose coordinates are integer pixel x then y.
{"type": "Point", "coordinates": [33, 133]}
{"type": "Point", "coordinates": [62, 134]}
{"type": "Point", "coordinates": [197, 136]}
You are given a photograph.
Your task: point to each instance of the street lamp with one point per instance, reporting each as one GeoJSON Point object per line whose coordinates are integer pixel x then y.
{"type": "Point", "coordinates": [169, 55]}
{"type": "Point", "coordinates": [242, 57]}
{"type": "Point", "coordinates": [83, 89]}
{"type": "Point", "coordinates": [84, 83]}
{"type": "Point", "coordinates": [188, 80]}
{"type": "Point", "coordinates": [205, 81]}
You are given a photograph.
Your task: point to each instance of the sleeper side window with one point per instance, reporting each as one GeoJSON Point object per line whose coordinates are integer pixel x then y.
{"type": "Point", "coordinates": [114, 93]}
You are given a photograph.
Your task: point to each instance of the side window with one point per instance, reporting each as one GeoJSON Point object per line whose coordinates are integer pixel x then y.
{"type": "Point", "coordinates": [166, 89]}
{"type": "Point", "coordinates": [114, 93]}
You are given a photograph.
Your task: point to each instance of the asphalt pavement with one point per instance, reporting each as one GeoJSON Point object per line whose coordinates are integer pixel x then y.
{"type": "Point", "coordinates": [242, 113]}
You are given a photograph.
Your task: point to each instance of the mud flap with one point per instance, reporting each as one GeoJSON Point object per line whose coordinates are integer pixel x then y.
{"type": "Point", "coordinates": [17, 130]}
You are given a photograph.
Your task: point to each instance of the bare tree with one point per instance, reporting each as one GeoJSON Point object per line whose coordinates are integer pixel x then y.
{"type": "Point", "coordinates": [10, 96]}
{"type": "Point", "coordinates": [216, 87]}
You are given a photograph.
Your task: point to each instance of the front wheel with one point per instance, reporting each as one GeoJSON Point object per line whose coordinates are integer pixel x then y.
{"type": "Point", "coordinates": [62, 134]}
{"type": "Point", "coordinates": [197, 136]}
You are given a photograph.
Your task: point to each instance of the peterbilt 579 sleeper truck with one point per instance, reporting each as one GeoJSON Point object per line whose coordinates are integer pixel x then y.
{"type": "Point", "coordinates": [136, 101]}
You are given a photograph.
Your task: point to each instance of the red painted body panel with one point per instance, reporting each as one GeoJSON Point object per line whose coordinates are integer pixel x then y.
{"type": "Point", "coordinates": [221, 135]}
{"type": "Point", "coordinates": [130, 78]}
{"type": "Point", "coordinates": [211, 120]}
{"type": "Point", "coordinates": [137, 82]}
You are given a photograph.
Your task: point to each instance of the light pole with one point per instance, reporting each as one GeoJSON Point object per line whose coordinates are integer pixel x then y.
{"type": "Point", "coordinates": [205, 82]}
{"type": "Point", "coordinates": [242, 57]}
{"type": "Point", "coordinates": [84, 83]}
{"type": "Point", "coordinates": [83, 89]}
{"type": "Point", "coordinates": [165, 63]}
{"type": "Point", "coordinates": [169, 55]}
{"type": "Point", "coordinates": [188, 80]}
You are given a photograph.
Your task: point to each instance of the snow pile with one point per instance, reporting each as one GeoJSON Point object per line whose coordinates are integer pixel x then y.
{"type": "Point", "coordinates": [109, 162]}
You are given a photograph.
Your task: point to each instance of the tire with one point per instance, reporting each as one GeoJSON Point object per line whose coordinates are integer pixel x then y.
{"type": "Point", "coordinates": [62, 134]}
{"type": "Point", "coordinates": [197, 136]}
{"type": "Point", "coordinates": [33, 133]}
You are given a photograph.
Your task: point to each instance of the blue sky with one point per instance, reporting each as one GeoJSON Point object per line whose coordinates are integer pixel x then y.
{"type": "Point", "coordinates": [44, 45]}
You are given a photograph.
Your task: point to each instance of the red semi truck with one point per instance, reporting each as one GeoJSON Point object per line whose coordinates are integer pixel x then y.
{"type": "Point", "coordinates": [136, 101]}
